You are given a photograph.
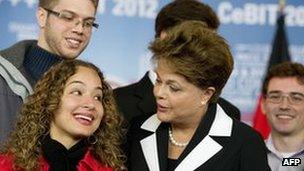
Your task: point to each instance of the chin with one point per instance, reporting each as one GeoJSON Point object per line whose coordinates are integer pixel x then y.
{"type": "Point", "coordinates": [162, 117]}
{"type": "Point", "coordinates": [83, 134]}
{"type": "Point", "coordinates": [284, 131]}
{"type": "Point", "coordinates": [71, 55]}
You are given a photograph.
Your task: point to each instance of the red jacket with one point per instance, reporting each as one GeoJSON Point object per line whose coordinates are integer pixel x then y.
{"type": "Point", "coordinates": [88, 163]}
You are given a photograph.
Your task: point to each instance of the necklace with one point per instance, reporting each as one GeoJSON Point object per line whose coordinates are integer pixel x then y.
{"type": "Point", "coordinates": [174, 142]}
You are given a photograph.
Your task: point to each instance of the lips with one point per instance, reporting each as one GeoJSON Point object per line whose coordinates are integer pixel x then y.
{"type": "Point", "coordinates": [73, 42]}
{"type": "Point", "coordinates": [84, 118]}
{"type": "Point", "coordinates": [161, 108]}
{"type": "Point", "coordinates": [284, 116]}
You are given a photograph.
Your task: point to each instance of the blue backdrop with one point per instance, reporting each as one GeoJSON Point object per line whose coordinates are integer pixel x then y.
{"type": "Point", "coordinates": [119, 46]}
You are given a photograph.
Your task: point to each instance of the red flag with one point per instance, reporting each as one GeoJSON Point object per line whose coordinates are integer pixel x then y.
{"type": "Point", "coordinates": [279, 54]}
{"type": "Point", "coordinates": [260, 121]}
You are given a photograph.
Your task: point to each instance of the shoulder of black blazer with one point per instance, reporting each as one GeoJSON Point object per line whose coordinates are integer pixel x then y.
{"type": "Point", "coordinates": [230, 109]}
{"type": "Point", "coordinates": [136, 99]}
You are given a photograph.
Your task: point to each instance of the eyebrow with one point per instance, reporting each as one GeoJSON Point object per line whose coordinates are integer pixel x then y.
{"type": "Point", "coordinates": [275, 91]}
{"type": "Point", "coordinates": [292, 92]}
{"type": "Point", "coordinates": [173, 82]}
{"type": "Point", "coordinates": [86, 18]}
{"type": "Point", "coordinates": [80, 82]}
{"type": "Point", "coordinates": [168, 81]}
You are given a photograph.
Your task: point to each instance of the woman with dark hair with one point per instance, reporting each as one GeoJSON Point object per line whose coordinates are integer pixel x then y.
{"type": "Point", "coordinates": [190, 131]}
{"type": "Point", "coordinates": [70, 122]}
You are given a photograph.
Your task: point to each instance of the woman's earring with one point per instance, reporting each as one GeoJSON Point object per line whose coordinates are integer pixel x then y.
{"type": "Point", "coordinates": [92, 139]}
{"type": "Point", "coordinates": [203, 102]}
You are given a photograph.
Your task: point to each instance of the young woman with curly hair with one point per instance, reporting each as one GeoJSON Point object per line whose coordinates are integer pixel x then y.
{"type": "Point", "coordinates": [70, 122]}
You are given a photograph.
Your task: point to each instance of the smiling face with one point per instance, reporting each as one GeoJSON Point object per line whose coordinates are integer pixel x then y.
{"type": "Point", "coordinates": [285, 118]}
{"type": "Point", "coordinates": [178, 101]}
{"type": "Point", "coordinates": [63, 37]}
{"type": "Point", "coordinates": [81, 110]}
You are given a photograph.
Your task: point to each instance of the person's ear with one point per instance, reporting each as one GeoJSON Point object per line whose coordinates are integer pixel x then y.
{"type": "Point", "coordinates": [41, 15]}
{"type": "Point", "coordinates": [163, 34]}
{"type": "Point", "coordinates": [206, 95]}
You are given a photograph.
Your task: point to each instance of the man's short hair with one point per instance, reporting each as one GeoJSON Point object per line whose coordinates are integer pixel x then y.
{"type": "Point", "coordinates": [283, 70]}
{"type": "Point", "coordinates": [183, 10]}
{"type": "Point", "coordinates": [50, 4]}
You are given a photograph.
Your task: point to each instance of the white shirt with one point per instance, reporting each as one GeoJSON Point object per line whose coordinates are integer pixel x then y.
{"type": "Point", "coordinates": [275, 158]}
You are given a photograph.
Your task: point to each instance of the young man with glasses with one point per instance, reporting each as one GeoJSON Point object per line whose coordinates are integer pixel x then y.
{"type": "Point", "coordinates": [283, 104]}
{"type": "Point", "coordinates": [65, 29]}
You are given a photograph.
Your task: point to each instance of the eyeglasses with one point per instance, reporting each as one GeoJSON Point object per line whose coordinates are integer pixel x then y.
{"type": "Point", "coordinates": [72, 18]}
{"type": "Point", "coordinates": [294, 98]}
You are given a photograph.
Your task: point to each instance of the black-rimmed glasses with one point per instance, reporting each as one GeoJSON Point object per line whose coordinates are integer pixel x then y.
{"type": "Point", "coordinates": [70, 17]}
{"type": "Point", "coordinates": [294, 98]}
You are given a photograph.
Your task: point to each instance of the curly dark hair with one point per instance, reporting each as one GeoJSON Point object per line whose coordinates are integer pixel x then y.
{"type": "Point", "coordinates": [38, 112]}
{"type": "Point", "coordinates": [197, 53]}
{"type": "Point", "coordinates": [179, 11]}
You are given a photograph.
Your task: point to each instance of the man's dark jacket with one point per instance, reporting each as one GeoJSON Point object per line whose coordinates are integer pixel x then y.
{"type": "Point", "coordinates": [15, 84]}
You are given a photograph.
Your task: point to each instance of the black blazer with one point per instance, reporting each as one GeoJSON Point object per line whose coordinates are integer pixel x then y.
{"type": "Point", "coordinates": [219, 144]}
{"type": "Point", "coordinates": [138, 99]}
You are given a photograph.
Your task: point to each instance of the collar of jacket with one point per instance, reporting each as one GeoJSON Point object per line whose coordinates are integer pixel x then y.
{"type": "Point", "coordinates": [11, 60]}
{"type": "Point", "coordinates": [221, 126]}
{"type": "Point", "coordinates": [16, 53]}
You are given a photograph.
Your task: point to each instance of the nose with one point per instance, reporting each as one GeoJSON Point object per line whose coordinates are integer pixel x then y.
{"type": "Point", "coordinates": [285, 102]}
{"type": "Point", "coordinates": [159, 92]}
{"type": "Point", "coordinates": [79, 27]}
{"type": "Point", "coordinates": [88, 103]}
